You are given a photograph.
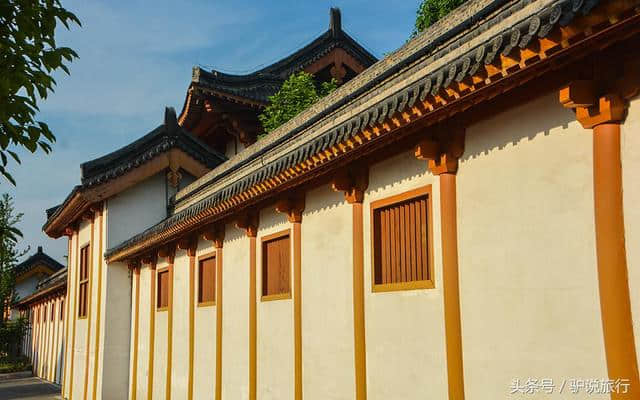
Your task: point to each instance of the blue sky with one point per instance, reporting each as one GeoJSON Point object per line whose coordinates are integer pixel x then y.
{"type": "Point", "coordinates": [136, 58]}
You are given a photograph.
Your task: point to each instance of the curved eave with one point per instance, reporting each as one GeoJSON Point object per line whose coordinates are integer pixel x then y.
{"type": "Point", "coordinates": [82, 197]}
{"type": "Point", "coordinates": [545, 38]}
{"type": "Point", "coordinates": [255, 88]}
{"type": "Point", "coordinates": [58, 287]}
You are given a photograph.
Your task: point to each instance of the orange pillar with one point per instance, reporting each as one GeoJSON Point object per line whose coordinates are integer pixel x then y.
{"type": "Point", "coordinates": [451, 290]}
{"type": "Point", "coordinates": [605, 115]}
{"type": "Point", "coordinates": [293, 208]}
{"type": "Point", "coordinates": [354, 182]}
{"type": "Point", "coordinates": [443, 156]}
{"type": "Point", "coordinates": [615, 303]}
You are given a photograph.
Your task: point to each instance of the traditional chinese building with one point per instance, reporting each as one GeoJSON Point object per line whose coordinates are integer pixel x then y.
{"type": "Point", "coordinates": [452, 218]}
{"type": "Point", "coordinates": [41, 286]}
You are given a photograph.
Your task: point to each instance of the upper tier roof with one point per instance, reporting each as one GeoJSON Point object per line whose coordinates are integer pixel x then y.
{"type": "Point", "coordinates": [39, 258]}
{"type": "Point", "coordinates": [159, 140]}
{"type": "Point", "coordinates": [259, 85]}
{"type": "Point", "coordinates": [99, 175]}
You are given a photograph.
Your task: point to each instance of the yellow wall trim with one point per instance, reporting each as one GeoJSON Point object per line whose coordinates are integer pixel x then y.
{"type": "Point", "coordinates": [169, 333]}
{"type": "Point", "coordinates": [360, 352]}
{"type": "Point", "coordinates": [252, 319]}
{"type": "Point", "coordinates": [136, 334]}
{"type": "Point", "coordinates": [99, 306]}
{"type": "Point", "coordinates": [219, 323]}
{"type": "Point", "coordinates": [152, 327]}
{"type": "Point", "coordinates": [90, 296]}
{"type": "Point", "coordinates": [451, 290]}
{"type": "Point", "coordinates": [297, 308]}
{"type": "Point", "coordinates": [73, 311]}
{"type": "Point", "coordinates": [192, 262]}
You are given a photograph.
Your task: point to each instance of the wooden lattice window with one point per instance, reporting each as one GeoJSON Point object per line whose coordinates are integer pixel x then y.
{"type": "Point", "coordinates": [276, 266]}
{"type": "Point", "coordinates": [401, 230]}
{"type": "Point", "coordinates": [207, 280]}
{"type": "Point", "coordinates": [163, 289]}
{"type": "Point", "coordinates": [83, 282]}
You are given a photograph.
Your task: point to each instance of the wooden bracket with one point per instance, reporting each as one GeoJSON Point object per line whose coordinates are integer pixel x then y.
{"type": "Point", "coordinates": [216, 235]}
{"type": "Point", "coordinates": [354, 181]}
{"type": "Point", "coordinates": [593, 109]}
{"type": "Point", "coordinates": [190, 244]}
{"type": "Point", "coordinates": [292, 207]}
{"type": "Point", "coordinates": [590, 109]}
{"type": "Point", "coordinates": [87, 215]}
{"type": "Point", "coordinates": [133, 264]}
{"type": "Point", "coordinates": [442, 153]}
{"type": "Point", "coordinates": [249, 223]}
{"type": "Point", "coordinates": [149, 259]}
{"type": "Point", "coordinates": [168, 252]}
{"type": "Point", "coordinates": [96, 208]}
{"type": "Point", "coordinates": [68, 232]}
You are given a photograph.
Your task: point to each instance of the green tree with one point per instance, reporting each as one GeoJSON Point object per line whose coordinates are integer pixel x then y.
{"type": "Point", "coordinates": [431, 11]}
{"type": "Point", "coordinates": [297, 93]}
{"type": "Point", "coordinates": [29, 56]}
{"type": "Point", "coordinates": [11, 332]}
{"type": "Point", "coordinates": [9, 253]}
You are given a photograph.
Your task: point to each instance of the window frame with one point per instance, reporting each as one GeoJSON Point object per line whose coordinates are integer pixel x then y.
{"type": "Point", "coordinates": [201, 258]}
{"type": "Point", "coordinates": [160, 271]}
{"type": "Point", "coordinates": [390, 201]}
{"type": "Point", "coordinates": [263, 260]}
{"type": "Point", "coordinates": [84, 283]}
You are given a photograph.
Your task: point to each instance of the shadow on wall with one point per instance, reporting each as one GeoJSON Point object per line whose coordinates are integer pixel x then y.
{"type": "Point", "coordinates": [526, 121]}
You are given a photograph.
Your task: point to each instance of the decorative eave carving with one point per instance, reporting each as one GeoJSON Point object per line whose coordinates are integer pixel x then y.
{"type": "Point", "coordinates": [249, 223]}
{"type": "Point", "coordinates": [537, 45]}
{"type": "Point", "coordinates": [149, 259]}
{"type": "Point", "coordinates": [168, 252]}
{"type": "Point", "coordinates": [353, 181]}
{"type": "Point", "coordinates": [292, 207]}
{"type": "Point", "coordinates": [215, 234]}
{"type": "Point", "coordinates": [592, 110]}
{"type": "Point", "coordinates": [190, 244]}
{"type": "Point", "coordinates": [442, 153]}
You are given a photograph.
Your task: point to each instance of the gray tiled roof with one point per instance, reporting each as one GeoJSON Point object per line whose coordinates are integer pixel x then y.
{"type": "Point", "coordinates": [259, 85]}
{"type": "Point", "coordinates": [455, 32]}
{"type": "Point", "coordinates": [160, 140]}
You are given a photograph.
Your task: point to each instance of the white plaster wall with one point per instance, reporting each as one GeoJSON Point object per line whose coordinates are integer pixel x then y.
{"type": "Point", "coordinates": [404, 329]}
{"type": "Point", "coordinates": [528, 276]}
{"type": "Point", "coordinates": [144, 204]}
{"type": "Point", "coordinates": [143, 335]}
{"type": "Point", "coordinates": [274, 324]}
{"type": "Point", "coordinates": [61, 342]}
{"type": "Point", "coordinates": [204, 370]}
{"type": "Point", "coordinates": [235, 315]}
{"type": "Point", "coordinates": [80, 347]}
{"type": "Point", "coordinates": [161, 348]}
{"type": "Point", "coordinates": [180, 342]}
{"type": "Point", "coordinates": [327, 296]}
{"type": "Point", "coordinates": [631, 198]}
{"type": "Point", "coordinates": [116, 337]}
{"type": "Point", "coordinates": [71, 299]}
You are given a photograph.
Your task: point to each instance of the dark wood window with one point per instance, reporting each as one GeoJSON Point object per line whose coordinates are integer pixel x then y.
{"type": "Point", "coordinates": [53, 311]}
{"type": "Point", "coordinates": [402, 241]}
{"type": "Point", "coordinates": [163, 289]}
{"type": "Point", "coordinates": [276, 264]}
{"type": "Point", "coordinates": [207, 280]}
{"type": "Point", "coordinates": [61, 309]}
{"type": "Point", "coordinates": [83, 281]}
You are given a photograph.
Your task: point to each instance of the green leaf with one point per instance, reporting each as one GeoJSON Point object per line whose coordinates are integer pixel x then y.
{"type": "Point", "coordinates": [29, 57]}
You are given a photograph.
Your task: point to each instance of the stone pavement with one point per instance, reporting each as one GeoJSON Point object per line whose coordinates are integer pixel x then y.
{"type": "Point", "coordinates": [28, 389]}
